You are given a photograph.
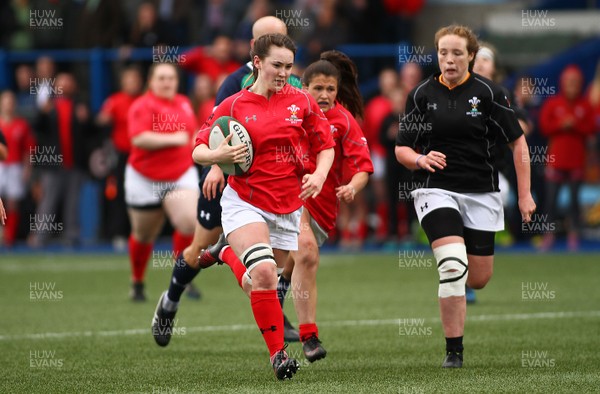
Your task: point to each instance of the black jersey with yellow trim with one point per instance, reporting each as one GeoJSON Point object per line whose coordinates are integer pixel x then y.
{"type": "Point", "coordinates": [464, 123]}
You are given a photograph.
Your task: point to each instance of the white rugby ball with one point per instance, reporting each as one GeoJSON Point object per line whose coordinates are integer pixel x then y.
{"type": "Point", "coordinates": [224, 126]}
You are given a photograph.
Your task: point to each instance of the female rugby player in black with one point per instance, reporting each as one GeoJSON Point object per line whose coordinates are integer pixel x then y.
{"type": "Point", "coordinates": [451, 124]}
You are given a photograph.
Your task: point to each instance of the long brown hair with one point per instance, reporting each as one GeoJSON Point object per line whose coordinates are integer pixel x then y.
{"type": "Point", "coordinates": [336, 64]}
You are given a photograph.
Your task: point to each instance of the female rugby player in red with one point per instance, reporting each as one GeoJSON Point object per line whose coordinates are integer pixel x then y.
{"type": "Point", "coordinates": [262, 208]}
{"type": "Point", "coordinates": [451, 124]}
{"type": "Point", "coordinates": [332, 82]}
{"type": "Point", "coordinates": [160, 178]}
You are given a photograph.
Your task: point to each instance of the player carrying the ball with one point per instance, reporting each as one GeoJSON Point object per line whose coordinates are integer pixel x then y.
{"type": "Point", "coordinates": [261, 209]}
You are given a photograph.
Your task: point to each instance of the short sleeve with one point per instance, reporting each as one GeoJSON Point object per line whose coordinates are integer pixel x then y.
{"type": "Point", "coordinates": [504, 119]}
{"type": "Point", "coordinates": [355, 150]}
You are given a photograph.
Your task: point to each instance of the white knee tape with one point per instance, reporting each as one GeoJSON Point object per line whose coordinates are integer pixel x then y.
{"type": "Point", "coordinates": [248, 278]}
{"type": "Point", "coordinates": [257, 254]}
{"type": "Point", "coordinates": [453, 269]}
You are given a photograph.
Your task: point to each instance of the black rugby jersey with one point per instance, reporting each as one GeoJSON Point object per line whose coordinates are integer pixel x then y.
{"type": "Point", "coordinates": [464, 123]}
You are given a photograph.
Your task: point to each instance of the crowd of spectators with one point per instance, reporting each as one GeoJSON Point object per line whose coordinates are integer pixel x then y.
{"type": "Point", "coordinates": [45, 114]}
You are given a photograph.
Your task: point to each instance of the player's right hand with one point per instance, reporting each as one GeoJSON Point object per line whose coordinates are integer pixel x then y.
{"type": "Point", "coordinates": [214, 180]}
{"type": "Point", "coordinates": [432, 160]}
{"type": "Point", "coordinates": [226, 154]}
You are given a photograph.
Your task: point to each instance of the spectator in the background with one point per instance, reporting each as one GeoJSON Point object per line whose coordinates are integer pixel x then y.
{"type": "Point", "coordinates": [399, 18]}
{"type": "Point", "coordinates": [100, 24]}
{"type": "Point", "coordinates": [26, 101]}
{"type": "Point", "coordinates": [328, 31]}
{"type": "Point", "coordinates": [243, 33]}
{"type": "Point", "coordinates": [211, 19]}
{"type": "Point", "coordinates": [63, 133]}
{"type": "Point", "coordinates": [49, 22]}
{"type": "Point", "coordinates": [410, 75]}
{"type": "Point", "coordinates": [114, 113]}
{"type": "Point", "coordinates": [398, 178]}
{"type": "Point", "coordinates": [376, 110]}
{"type": "Point", "coordinates": [16, 169]}
{"type": "Point", "coordinates": [233, 13]}
{"type": "Point", "coordinates": [567, 120]}
{"type": "Point", "coordinates": [203, 97]}
{"type": "Point", "coordinates": [147, 30]}
{"type": "Point", "coordinates": [175, 15]}
{"type": "Point", "coordinates": [215, 60]}
{"type": "Point", "coordinates": [44, 83]}
{"type": "Point", "coordinates": [593, 96]}
{"type": "Point", "coordinates": [15, 29]}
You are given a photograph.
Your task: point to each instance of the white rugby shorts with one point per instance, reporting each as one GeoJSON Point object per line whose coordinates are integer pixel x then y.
{"type": "Point", "coordinates": [283, 228]}
{"type": "Point", "coordinates": [479, 211]}
{"type": "Point", "coordinates": [141, 191]}
{"type": "Point", "coordinates": [12, 186]}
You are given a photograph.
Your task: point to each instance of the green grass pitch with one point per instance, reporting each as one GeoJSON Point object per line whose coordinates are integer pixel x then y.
{"type": "Point", "coordinates": [67, 326]}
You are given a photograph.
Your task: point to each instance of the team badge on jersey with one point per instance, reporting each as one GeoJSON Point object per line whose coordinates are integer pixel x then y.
{"type": "Point", "coordinates": [474, 112]}
{"type": "Point", "coordinates": [293, 119]}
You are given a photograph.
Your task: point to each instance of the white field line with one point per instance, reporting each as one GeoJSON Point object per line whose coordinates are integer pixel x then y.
{"type": "Point", "coordinates": [341, 323]}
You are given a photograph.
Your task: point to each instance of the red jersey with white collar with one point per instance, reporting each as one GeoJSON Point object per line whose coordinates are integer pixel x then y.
{"type": "Point", "coordinates": [19, 139]}
{"type": "Point", "coordinates": [159, 115]}
{"type": "Point", "coordinates": [286, 130]}
{"type": "Point", "coordinates": [351, 156]}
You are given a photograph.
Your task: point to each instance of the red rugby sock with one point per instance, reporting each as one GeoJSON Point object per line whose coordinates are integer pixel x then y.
{"type": "Point", "coordinates": [228, 257]}
{"type": "Point", "coordinates": [11, 227]}
{"type": "Point", "coordinates": [180, 242]}
{"type": "Point", "coordinates": [307, 330]}
{"type": "Point", "coordinates": [139, 254]}
{"type": "Point", "coordinates": [269, 318]}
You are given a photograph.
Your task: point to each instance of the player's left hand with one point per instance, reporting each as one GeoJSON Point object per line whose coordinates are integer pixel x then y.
{"type": "Point", "coordinates": [345, 193]}
{"type": "Point", "coordinates": [527, 207]}
{"type": "Point", "coordinates": [311, 185]}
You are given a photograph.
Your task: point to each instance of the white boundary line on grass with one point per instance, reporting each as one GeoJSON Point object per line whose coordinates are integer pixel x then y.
{"type": "Point", "coordinates": [341, 323]}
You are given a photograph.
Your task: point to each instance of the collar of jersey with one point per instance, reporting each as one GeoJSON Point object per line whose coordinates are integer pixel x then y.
{"type": "Point", "coordinates": [465, 79]}
{"type": "Point", "coordinates": [162, 99]}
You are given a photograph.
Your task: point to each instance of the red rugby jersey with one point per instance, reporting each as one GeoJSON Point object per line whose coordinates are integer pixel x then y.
{"type": "Point", "coordinates": [286, 130]}
{"type": "Point", "coordinates": [117, 106]}
{"type": "Point", "coordinates": [351, 156]}
{"type": "Point", "coordinates": [159, 115]}
{"type": "Point", "coordinates": [19, 139]}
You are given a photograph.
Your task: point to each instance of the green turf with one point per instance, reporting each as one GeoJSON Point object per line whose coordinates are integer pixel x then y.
{"type": "Point", "coordinates": [378, 320]}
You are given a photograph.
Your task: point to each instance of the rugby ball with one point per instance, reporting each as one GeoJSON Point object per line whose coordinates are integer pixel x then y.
{"type": "Point", "coordinates": [224, 126]}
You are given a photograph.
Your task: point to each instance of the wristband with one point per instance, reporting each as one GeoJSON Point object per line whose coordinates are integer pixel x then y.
{"type": "Point", "coordinates": [417, 161]}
